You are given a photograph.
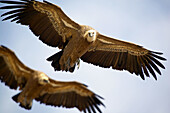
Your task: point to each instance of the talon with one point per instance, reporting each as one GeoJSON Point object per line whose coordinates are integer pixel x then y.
{"type": "Point", "coordinates": [78, 63]}
{"type": "Point", "coordinates": [68, 64]}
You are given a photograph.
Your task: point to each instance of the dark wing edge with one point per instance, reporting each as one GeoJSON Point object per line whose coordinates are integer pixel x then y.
{"type": "Point", "coordinates": [69, 97]}
{"type": "Point", "coordinates": [120, 55]}
{"type": "Point", "coordinates": [40, 19]}
{"type": "Point", "coordinates": [9, 69]}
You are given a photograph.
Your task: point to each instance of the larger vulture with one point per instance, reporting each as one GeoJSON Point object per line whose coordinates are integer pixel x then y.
{"type": "Point", "coordinates": [37, 85]}
{"type": "Point", "coordinates": [56, 29]}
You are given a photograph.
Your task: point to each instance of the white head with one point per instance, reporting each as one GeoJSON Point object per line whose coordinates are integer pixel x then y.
{"type": "Point", "coordinates": [90, 35]}
{"type": "Point", "coordinates": [43, 79]}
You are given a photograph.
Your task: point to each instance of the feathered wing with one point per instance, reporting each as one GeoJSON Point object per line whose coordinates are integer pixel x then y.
{"type": "Point", "coordinates": [45, 20]}
{"type": "Point", "coordinates": [69, 95]}
{"type": "Point", "coordinates": [108, 52]}
{"type": "Point", "coordinates": [12, 71]}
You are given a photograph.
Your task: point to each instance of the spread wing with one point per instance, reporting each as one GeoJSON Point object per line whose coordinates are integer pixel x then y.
{"type": "Point", "coordinates": [12, 71]}
{"type": "Point", "coordinates": [108, 52]}
{"type": "Point", "coordinates": [69, 95]}
{"type": "Point", "coordinates": [46, 20]}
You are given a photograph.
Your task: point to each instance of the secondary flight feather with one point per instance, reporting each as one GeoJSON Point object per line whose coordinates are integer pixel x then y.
{"type": "Point", "coordinates": [56, 29]}
{"type": "Point", "coordinates": [37, 85]}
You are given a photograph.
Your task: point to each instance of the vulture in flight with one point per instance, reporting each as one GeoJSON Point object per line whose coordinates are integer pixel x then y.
{"type": "Point", "coordinates": [54, 28]}
{"type": "Point", "coordinates": [37, 85]}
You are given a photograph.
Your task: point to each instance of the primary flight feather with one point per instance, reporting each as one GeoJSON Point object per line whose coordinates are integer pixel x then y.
{"type": "Point", "coordinates": [37, 85]}
{"type": "Point", "coordinates": [56, 29]}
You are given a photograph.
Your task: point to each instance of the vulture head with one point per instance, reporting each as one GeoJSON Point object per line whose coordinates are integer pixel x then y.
{"type": "Point", "coordinates": [90, 35]}
{"type": "Point", "coordinates": [43, 79]}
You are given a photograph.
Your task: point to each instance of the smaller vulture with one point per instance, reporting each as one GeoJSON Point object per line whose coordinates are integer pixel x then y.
{"type": "Point", "coordinates": [37, 85]}
{"type": "Point", "coordinates": [54, 28]}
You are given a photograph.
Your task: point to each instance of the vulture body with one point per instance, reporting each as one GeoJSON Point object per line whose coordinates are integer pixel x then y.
{"type": "Point", "coordinates": [37, 85]}
{"type": "Point", "coordinates": [56, 29]}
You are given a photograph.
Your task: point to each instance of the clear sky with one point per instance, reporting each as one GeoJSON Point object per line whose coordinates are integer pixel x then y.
{"type": "Point", "coordinates": [144, 22]}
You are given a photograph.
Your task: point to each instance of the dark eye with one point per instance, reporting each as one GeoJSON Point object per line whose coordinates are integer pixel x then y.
{"type": "Point", "coordinates": [46, 81]}
{"type": "Point", "coordinates": [90, 34]}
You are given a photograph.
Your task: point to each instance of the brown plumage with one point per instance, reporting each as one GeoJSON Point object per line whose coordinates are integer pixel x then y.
{"type": "Point", "coordinates": [37, 85]}
{"type": "Point", "coordinates": [56, 29]}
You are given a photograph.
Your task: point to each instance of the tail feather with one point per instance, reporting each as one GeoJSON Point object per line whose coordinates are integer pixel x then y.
{"type": "Point", "coordinates": [15, 97]}
{"type": "Point", "coordinates": [28, 104]}
{"type": "Point", "coordinates": [55, 62]}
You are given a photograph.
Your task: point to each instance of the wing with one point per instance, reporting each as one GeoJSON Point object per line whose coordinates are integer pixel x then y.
{"type": "Point", "coordinates": [12, 71]}
{"type": "Point", "coordinates": [46, 20]}
{"type": "Point", "coordinates": [69, 95]}
{"type": "Point", "coordinates": [120, 55]}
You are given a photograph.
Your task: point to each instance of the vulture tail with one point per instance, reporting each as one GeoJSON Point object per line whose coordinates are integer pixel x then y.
{"type": "Point", "coordinates": [55, 62]}
{"type": "Point", "coordinates": [27, 105]}
{"type": "Point", "coordinates": [15, 97]}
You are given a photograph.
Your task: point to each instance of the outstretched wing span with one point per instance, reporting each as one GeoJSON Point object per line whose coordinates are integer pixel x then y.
{"type": "Point", "coordinates": [45, 20]}
{"type": "Point", "coordinates": [69, 95]}
{"type": "Point", "coordinates": [108, 52]}
{"type": "Point", "coordinates": [13, 72]}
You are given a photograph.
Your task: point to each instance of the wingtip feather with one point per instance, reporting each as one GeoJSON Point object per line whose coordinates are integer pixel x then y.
{"type": "Point", "coordinates": [160, 53]}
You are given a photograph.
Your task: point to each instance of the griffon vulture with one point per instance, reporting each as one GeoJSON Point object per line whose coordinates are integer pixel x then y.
{"type": "Point", "coordinates": [37, 85]}
{"type": "Point", "coordinates": [56, 29]}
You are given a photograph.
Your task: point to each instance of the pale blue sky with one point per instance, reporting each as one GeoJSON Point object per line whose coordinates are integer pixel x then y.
{"type": "Point", "coordinates": [144, 22]}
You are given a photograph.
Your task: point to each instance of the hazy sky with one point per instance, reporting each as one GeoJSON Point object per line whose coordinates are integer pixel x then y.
{"type": "Point", "coordinates": [144, 22]}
